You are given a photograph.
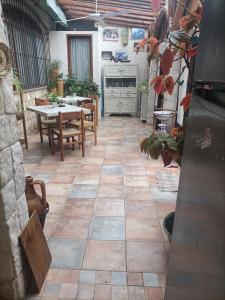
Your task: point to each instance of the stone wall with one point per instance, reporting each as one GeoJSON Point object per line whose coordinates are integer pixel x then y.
{"type": "Point", "coordinates": [13, 207]}
{"type": "Point", "coordinates": [29, 100]}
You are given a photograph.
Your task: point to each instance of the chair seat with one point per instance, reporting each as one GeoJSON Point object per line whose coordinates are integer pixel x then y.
{"type": "Point", "coordinates": [49, 122]}
{"type": "Point", "coordinates": [86, 123]}
{"type": "Point", "coordinates": [67, 132]}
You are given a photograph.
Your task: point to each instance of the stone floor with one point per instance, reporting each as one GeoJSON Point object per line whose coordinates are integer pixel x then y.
{"type": "Point", "coordinates": [104, 228]}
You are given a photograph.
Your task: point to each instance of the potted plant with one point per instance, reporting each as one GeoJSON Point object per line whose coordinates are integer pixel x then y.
{"type": "Point", "coordinates": [169, 146]}
{"type": "Point", "coordinates": [52, 88]}
{"type": "Point", "coordinates": [53, 99]}
{"type": "Point", "coordinates": [60, 85]}
{"type": "Point", "coordinates": [54, 68]}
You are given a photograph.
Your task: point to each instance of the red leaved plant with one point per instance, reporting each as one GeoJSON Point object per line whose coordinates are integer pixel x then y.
{"type": "Point", "coordinates": [166, 61]}
{"type": "Point", "coordinates": [186, 101]}
{"type": "Point", "coordinates": [163, 84]}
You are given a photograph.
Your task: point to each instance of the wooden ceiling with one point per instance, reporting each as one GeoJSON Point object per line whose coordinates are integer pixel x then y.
{"type": "Point", "coordinates": [141, 14]}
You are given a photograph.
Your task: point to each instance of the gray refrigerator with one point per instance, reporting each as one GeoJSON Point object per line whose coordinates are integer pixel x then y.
{"type": "Point", "coordinates": [196, 266]}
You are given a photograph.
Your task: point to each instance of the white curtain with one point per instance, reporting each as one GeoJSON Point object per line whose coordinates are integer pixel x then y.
{"type": "Point", "coordinates": [80, 58]}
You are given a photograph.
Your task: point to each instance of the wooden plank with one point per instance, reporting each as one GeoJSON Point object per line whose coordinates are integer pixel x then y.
{"type": "Point", "coordinates": [36, 250]}
{"type": "Point", "coordinates": [135, 20]}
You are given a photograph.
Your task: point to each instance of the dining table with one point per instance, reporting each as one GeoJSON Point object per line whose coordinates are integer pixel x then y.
{"type": "Point", "coordinates": [73, 99]}
{"type": "Point", "coordinates": [49, 111]}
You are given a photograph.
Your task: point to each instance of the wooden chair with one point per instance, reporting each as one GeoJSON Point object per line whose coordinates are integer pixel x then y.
{"type": "Point", "coordinates": [44, 125]}
{"type": "Point", "coordinates": [81, 103]}
{"type": "Point", "coordinates": [90, 126]}
{"type": "Point", "coordinates": [69, 133]}
{"type": "Point", "coordinates": [95, 100]}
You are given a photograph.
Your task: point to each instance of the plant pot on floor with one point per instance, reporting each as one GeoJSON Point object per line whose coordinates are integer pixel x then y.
{"type": "Point", "coordinates": [60, 87]}
{"type": "Point", "coordinates": [168, 225]}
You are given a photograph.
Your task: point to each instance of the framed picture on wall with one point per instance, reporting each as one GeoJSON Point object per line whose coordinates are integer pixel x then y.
{"type": "Point", "coordinates": [106, 55]}
{"type": "Point", "coordinates": [121, 55]}
{"type": "Point", "coordinates": [140, 50]}
{"type": "Point", "coordinates": [137, 33]}
{"type": "Point", "coordinates": [110, 34]}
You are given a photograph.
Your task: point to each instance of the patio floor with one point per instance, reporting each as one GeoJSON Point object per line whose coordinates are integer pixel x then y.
{"type": "Point", "coordinates": [104, 228]}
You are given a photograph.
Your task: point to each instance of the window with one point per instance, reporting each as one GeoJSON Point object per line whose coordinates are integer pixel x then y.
{"type": "Point", "coordinates": [30, 48]}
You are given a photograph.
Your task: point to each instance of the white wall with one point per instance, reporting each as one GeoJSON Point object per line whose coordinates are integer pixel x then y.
{"type": "Point", "coordinates": [140, 59]}
{"type": "Point", "coordinates": [58, 50]}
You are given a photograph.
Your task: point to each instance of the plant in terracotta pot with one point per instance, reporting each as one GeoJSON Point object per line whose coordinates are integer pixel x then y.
{"type": "Point", "coordinates": [60, 84]}
{"type": "Point", "coordinates": [169, 146]}
{"type": "Point", "coordinates": [54, 68]}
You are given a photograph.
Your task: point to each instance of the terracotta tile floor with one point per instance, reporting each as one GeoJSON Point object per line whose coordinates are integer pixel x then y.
{"type": "Point", "coordinates": [104, 228]}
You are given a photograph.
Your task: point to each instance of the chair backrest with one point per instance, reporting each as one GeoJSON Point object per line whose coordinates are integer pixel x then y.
{"type": "Point", "coordinates": [41, 102]}
{"type": "Point", "coordinates": [94, 97]}
{"type": "Point", "coordinates": [70, 116]}
{"type": "Point", "coordinates": [85, 101]}
{"type": "Point", "coordinates": [92, 108]}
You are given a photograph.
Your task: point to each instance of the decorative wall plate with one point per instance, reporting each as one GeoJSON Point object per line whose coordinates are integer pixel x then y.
{"type": "Point", "coordinates": [5, 60]}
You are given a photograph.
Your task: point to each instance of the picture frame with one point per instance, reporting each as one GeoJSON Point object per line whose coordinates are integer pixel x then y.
{"type": "Point", "coordinates": [111, 34]}
{"type": "Point", "coordinates": [106, 55]}
{"type": "Point", "coordinates": [121, 55]}
{"type": "Point", "coordinates": [137, 33]}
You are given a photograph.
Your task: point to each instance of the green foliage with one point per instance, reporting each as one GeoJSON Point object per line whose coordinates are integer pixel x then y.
{"type": "Point", "coordinates": [53, 97]}
{"type": "Point", "coordinates": [55, 64]}
{"type": "Point", "coordinates": [81, 88]}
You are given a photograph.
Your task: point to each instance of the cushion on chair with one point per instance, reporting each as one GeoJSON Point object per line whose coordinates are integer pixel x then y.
{"type": "Point", "coordinates": [68, 132]}
{"type": "Point", "coordinates": [86, 123]}
{"type": "Point", "coordinates": [48, 122]}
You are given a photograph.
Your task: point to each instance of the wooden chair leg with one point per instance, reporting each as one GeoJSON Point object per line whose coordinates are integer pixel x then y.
{"type": "Point", "coordinates": [49, 136]}
{"type": "Point", "coordinates": [95, 134]}
{"type": "Point", "coordinates": [52, 142]}
{"type": "Point", "coordinates": [61, 149]}
{"type": "Point", "coordinates": [40, 128]}
{"type": "Point", "coordinates": [82, 145]}
{"type": "Point", "coordinates": [73, 145]}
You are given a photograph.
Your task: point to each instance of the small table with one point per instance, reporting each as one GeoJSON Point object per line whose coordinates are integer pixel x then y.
{"type": "Point", "coordinates": [50, 111]}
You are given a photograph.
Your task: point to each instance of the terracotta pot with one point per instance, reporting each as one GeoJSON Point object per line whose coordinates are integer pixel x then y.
{"type": "Point", "coordinates": [34, 200]}
{"type": "Point", "coordinates": [60, 87]}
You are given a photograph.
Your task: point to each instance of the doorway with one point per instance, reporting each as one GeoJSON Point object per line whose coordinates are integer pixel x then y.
{"type": "Point", "coordinates": [80, 57]}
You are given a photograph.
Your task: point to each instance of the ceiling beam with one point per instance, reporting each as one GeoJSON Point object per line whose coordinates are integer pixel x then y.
{"type": "Point", "coordinates": [75, 12]}
{"type": "Point", "coordinates": [144, 23]}
{"type": "Point", "coordinates": [102, 8]}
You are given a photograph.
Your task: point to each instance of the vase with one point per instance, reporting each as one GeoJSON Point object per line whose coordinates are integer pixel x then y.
{"type": "Point", "coordinates": [35, 201]}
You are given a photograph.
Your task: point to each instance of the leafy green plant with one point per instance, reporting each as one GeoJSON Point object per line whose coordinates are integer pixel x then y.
{"type": "Point", "coordinates": [53, 97]}
{"type": "Point", "coordinates": [55, 64]}
{"type": "Point", "coordinates": [81, 88]}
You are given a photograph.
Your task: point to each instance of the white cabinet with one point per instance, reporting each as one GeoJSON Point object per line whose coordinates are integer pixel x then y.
{"type": "Point", "coordinates": [113, 105]}
{"type": "Point", "coordinates": [120, 89]}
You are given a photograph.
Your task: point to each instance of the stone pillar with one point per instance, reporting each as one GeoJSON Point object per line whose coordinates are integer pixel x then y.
{"type": "Point", "coordinates": [13, 207]}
